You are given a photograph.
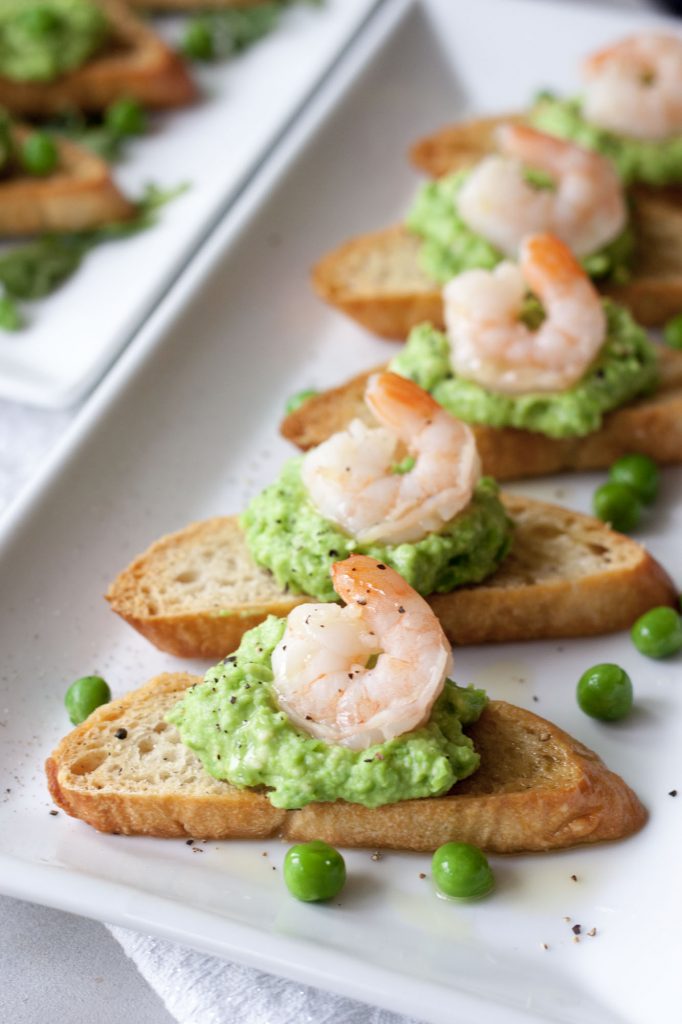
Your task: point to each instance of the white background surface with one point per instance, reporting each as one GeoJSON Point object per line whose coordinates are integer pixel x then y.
{"type": "Point", "coordinates": [23, 1001]}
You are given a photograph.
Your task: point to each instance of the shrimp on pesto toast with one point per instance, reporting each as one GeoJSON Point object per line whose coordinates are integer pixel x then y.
{"type": "Point", "coordinates": [366, 672]}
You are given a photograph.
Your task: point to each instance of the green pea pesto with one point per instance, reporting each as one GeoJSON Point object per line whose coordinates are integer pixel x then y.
{"type": "Point", "coordinates": [450, 246]}
{"type": "Point", "coordinates": [649, 161]}
{"type": "Point", "coordinates": [234, 725]}
{"type": "Point", "coordinates": [286, 534]}
{"type": "Point", "coordinates": [625, 369]}
{"type": "Point", "coordinates": [42, 39]}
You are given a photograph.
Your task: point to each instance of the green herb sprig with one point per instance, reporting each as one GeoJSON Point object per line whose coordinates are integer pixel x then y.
{"type": "Point", "coordinates": [32, 271]}
{"type": "Point", "coordinates": [222, 34]}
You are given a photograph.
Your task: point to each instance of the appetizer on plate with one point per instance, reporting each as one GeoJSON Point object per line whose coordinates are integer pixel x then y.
{"type": "Point", "coordinates": [630, 112]}
{"type": "Point", "coordinates": [49, 184]}
{"type": "Point", "coordinates": [408, 491]}
{"type": "Point", "coordinates": [338, 723]}
{"type": "Point", "coordinates": [61, 55]}
{"type": "Point", "coordinates": [498, 180]}
{"type": "Point", "coordinates": [564, 381]}
{"type": "Point", "coordinates": [630, 108]}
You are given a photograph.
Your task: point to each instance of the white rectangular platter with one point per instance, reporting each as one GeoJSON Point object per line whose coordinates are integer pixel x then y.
{"type": "Point", "coordinates": [245, 104]}
{"type": "Point", "coordinates": [185, 427]}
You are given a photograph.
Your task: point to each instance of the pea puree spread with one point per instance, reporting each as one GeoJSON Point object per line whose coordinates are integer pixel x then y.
{"type": "Point", "coordinates": [43, 39]}
{"type": "Point", "coordinates": [450, 246]}
{"type": "Point", "coordinates": [654, 162]}
{"type": "Point", "coordinates": [234, 725]}
{"type": "Point", "coordinates": [287, 534]}
{"type": "Point", "coordinates": [625, 369]}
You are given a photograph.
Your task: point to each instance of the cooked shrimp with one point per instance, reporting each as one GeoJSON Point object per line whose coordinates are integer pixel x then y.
{"type": "Point", "coordinates": [349, 477]}
{"type": "Point", "coordinates": [635, 87]}
{"type": "Point", "coordinates": [321, 676]}
{"type": "Point", "coordinates": [492, 346]}
{"type": "Point", "coordinates": [583, 205]}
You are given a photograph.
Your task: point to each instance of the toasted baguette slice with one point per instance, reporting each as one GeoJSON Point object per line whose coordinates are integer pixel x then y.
{"type": "Point", "coordinates": [80, 194]}
{"type": "Point", "coordinates": [652, 426]}
{"type": "Point", "coordinates": [459, 145]}
{"type": "Point", "coordinates": [195, 593]}
{"type": "Point", "coordinates": [377, 280]}
{"type": "Point", "coordinates": [137, 64]}
{"type": "Point", "coordinates": [536, 789]}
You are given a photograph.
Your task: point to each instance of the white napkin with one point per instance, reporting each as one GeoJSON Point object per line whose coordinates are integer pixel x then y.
{"type": "Point", "coordinates": [199, 989]}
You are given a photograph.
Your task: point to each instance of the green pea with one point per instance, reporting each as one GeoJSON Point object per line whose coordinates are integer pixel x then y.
{"type": "Point", "coordinates": [672, 332]}
{"type": "Point", "coordinates": [658, 633]}
{"type": "Point", "coordinates": [198, 42]}
{"type": "Point", "coordinates": [461, 872]}
{"type": "Point", "coordinates": [125, 117]}
{"type": "Point", "coordinates": [299, 399]}
{"type": "Point", "coordinates": [38, 154]}
{"type": "Point", "coordinates": [605, 692]}
{"type": "Point", "coordinates": [84, 695]}
{"type": "Point", "coordinates": [314, 871]}
{"type": "Point", "coordinates": [638, 472]}
{"type": "Point", "coordinates": [617, 504]}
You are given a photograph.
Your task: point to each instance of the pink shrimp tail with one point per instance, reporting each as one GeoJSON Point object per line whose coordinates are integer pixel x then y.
{"type": "Point", "coordinates": [392, 398]}
{"type": "Point", "coordinates": [532, 146]}
{"type": "Point", "coordinates": [359, 576]}
{"type": "Point", "coordinates": [546, 261]}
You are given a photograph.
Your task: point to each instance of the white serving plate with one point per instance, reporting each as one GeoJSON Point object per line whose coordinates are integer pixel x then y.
{"type": "Point", "coordinates": [185, 426]}
{"type": "Point", "coordinates": [245, 105]}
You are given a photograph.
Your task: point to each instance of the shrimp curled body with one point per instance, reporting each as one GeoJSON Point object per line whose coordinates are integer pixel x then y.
{"type": "Point", "coordinates": [492, 346]}
{"type": "Point", "coordinates": [584, 204]}
{"type": "Point", "coordinates": [349, 477]}
{"type": "Point", "coordinates": [321, 677]}
{"type": "Point", "coordinates": [634, 88]}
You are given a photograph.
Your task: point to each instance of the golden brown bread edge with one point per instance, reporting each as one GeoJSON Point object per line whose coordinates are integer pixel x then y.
{"type": "Point", "coordinates": [504, 608]}
{"type": "Point", "coordinates": [79, 195]}
{"type": "Point", "coordinates": [537, 789]}
{"type": "Point", "coordinates": [138, 66]}
{"type": "Point", "coordinates": [653, 294]}
{"type": "Point", "coordinates": [652, 426]}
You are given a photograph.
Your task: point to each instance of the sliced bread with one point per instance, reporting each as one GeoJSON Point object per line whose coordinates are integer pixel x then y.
{"type": "Point", "coordinates": [377, 279]}
{"type": "Point", "coordinates": [652, 426]}
{"type": "Point", "coordinates": [78, 195]}
{"type": "Point", "coordinates": [537, 788]}
{"type": "Point", "coordinates": [195, 593]}
{"type": "Point", "coordinates": [136, 64]}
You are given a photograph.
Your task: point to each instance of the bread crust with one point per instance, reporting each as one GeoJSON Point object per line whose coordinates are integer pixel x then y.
{"type": "Point", "coordinates": [139, 66]}
{"type": "Point", "coordinates": [79, 195]}
{"type": "Point", "coordinates": [360, 279]}
{"type": "Point", "coordinates": [527, 598]}
{"type": "Point", "coordinates": [537, 789]}
{"type": "Point", "coordinates": [652, 426]}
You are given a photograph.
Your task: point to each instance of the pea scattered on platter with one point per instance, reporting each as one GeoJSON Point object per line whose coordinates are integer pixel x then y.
{"type": "Point", "coordinates": [84, 696]}
{"type": "Point", "coordinates": [314, 871]}
{"type": "Point", "coordinates": [605, 692]}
